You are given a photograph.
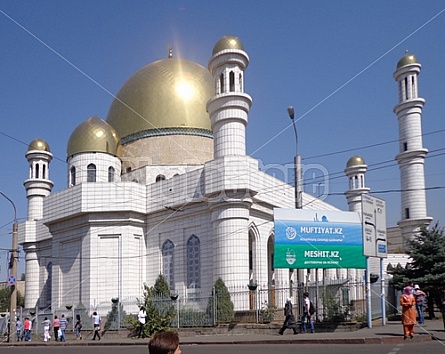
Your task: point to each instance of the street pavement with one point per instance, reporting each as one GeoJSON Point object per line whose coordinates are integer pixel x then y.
{"type": "Point", "coordinates": [392, 332]}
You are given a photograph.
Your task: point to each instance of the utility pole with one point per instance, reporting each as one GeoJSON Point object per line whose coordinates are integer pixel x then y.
{"type": "Point", "coordinates": [12, 279]}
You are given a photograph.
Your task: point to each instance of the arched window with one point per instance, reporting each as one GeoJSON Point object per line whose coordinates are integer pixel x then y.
{"type": "Point", "coordinates": [167, 261]}
{"type": "Point", "coordinates": [110, 174]}
{"type": "Point", "coordinates": [91, 173]}
{"type": "Point", "coordinates": [221, 83]}
{"type": "Point", "coordinates": [73, 176]}
{"type": "Point", "coordinates": [37, 171]}
{"type": "Point", "coordinates": [193, 262]}
{"type": "Point", "coordinates": [160, 178]}
{"type": "Point", "coordinates": [232, 81]}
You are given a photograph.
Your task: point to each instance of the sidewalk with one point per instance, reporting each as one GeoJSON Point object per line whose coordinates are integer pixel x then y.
{"type": "Point", "coordinates": [391, 333]}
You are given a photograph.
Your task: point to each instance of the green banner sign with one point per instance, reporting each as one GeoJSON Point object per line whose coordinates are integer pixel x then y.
{"type": "Point", "coordinates": [318, 239]}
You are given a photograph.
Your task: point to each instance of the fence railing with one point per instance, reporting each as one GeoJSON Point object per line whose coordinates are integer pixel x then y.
{"type": "Point", "coordinates": [335, 301]}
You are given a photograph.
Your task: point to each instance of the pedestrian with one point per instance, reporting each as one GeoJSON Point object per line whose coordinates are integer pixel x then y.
{"type": "Point", "coordinates": [46, 324]}
{"type": "Point", "coordinates": [18, 329]}
{"type": "Point", "coordinates": [408, 304]}
{"type": "Point", "coordinates": [56, 327]}
{"type": "Point", "coordinates": [63, 324]}
{"type": "Point", "coordinates": [289, 320]}
{"type": "Point", "coordinates": [419, 295]}
{"type": "Point", "coordinates": [27, 329]}
{"type": "Point", "coordinates": [308, 311]}
{"type": "Point", "coordinates": [141, 319]}
{"type": "Point", "coordinates": [166, 342]}
{"type": "Point", "coordinates": [96, 325]}
{"type": "Point", "coordinates": [78, 327]}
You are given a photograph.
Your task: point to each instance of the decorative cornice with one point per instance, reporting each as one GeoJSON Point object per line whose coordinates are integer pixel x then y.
{"type": "Point", "coordinates": [167, 131]}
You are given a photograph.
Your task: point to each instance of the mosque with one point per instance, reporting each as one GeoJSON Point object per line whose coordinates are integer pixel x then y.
{"type": "Point", "coordinates": [164, 186]}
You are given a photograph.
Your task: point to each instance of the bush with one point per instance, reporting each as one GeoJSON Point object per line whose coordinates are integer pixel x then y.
{"type": "Point", "coordinates": [159, 308]}
{"type": "Point", "coordinates": [224, 305]}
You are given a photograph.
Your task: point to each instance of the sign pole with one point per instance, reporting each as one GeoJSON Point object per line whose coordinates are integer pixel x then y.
{"type": "Point", "coordinates": [368, 294]}
{"type": "Point", "coordinates": [382, 277]}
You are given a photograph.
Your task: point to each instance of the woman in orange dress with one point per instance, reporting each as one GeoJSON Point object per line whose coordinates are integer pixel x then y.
{"type": "Point", "coordinates": [408, 303]}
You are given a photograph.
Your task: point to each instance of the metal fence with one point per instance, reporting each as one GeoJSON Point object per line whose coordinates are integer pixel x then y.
{"type": "Point", "coordinates": [334, 301]}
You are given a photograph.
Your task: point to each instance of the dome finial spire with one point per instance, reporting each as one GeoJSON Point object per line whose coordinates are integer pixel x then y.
{"type": "Point", "coordinates": [170, 52]}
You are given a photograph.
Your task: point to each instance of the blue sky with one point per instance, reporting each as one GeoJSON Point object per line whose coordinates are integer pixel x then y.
{"type": "Point", "coordinates": [61, 61]}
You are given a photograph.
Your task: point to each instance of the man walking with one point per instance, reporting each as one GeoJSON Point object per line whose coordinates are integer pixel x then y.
{"type": "Point", "coordinates": [307, 313]}
{"type": "Point", "coordinates": [289, 321]}
{"type": "Point", "coordinates": [18, 329]}
{"type": "Point", "coordinates": [63, 325]}
{"type": "Point", "coordinates": [96, 325]}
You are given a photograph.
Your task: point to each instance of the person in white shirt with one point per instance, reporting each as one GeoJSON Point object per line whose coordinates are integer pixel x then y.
{"type": "Point", "coordinates": [96, 325]}
{"type": "Point", "coordinates": [46, 324]}
{"type": "Point", "coordinates": [141, 319]}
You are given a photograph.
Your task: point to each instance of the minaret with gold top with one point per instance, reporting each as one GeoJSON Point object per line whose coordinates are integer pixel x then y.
{"type": "Point", "coordinates": [411, 157]}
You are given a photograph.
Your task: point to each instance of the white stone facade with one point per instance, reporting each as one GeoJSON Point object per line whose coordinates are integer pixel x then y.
{"type": "Point", "coordinates": [107, 236]}
{"type": "Point", "coordinates": [411, 157]}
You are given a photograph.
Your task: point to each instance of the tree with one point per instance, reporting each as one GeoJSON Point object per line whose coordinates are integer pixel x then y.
{"type": "Point", "coordinates": [158, 305]}
{"type": "Point", "coordinates": [224, 305]}
{"type": "Point", "coordinates": [115, 316]}
{"type": "Point", "coordinates": [5, 299]}
{"type": "Point", "coordinates": [427, 266]}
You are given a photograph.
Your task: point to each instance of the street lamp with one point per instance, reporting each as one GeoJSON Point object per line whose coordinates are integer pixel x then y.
{"type": "Point", "coordinates": [12, 279]}
{"type": "Point", "coordinates": [297, 163]}
{"type": "Point", "coordinates": [298, 191]}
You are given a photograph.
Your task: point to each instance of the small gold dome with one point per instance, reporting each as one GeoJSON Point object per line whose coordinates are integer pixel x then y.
{"type": "Point", "coordinates": [94, 135]}
{"type": "Point", "coordinates": [228, 42]}
{"type": "Point", "coordinates": [169, 93]}
{"type": "Point", "coordinates": [39, 144]}
{"type": "Point", "coordinates": [355, 161]}
{"type": "Point", "coordinates": [406, 60]}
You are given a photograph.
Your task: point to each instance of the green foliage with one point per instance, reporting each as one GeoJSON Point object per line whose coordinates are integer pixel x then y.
{"type": "Point", "coordinates": [267, 313]}
{"type": "Point", "coordinates": [332, 309]}
{"type": "Point", "coordinates": [5, 299]}
{"type": "Point", "coordinates": [190, 317]}
{"type": "Point", "coordinates": [427, 268]}
{"type": "Point", "coordinates": [115, 316]}
{"type": "Point", "coordinates": [159, 307]}
{"type": "Point", "coordinates": [224, 305]}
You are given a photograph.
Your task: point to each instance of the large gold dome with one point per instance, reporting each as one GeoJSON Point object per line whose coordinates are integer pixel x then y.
{"type": "Point", "coordinates": [170, 93]}
{"type": "Point", "coordinates": [94, 135]}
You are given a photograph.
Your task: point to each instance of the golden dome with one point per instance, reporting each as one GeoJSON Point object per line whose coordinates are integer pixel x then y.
{"type": "Point", "coordinates": [355, 161]}
{"type": "Point", "coordinates": [406, 60]}
{"type": "Point", "coordinates": [39, 144]}
{"type": "Point", "coordinates": [228, 42]}
{"type": "Point", "coordinates": [170, 93]}
{"type": "Point", "coordinates": [94, 135]}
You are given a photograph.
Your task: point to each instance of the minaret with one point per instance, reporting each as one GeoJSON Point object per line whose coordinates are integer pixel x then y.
{"type": "Point", "coordinates": [355, 171]}
{"type": "Point", "coordinates": [411, 157]}
{"type": "Point", "coordinates": [229, 108]}
{"type": "Point", "coordinates": [225, 182]}
{"type": "Point", "coordinates": [38, 186]}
